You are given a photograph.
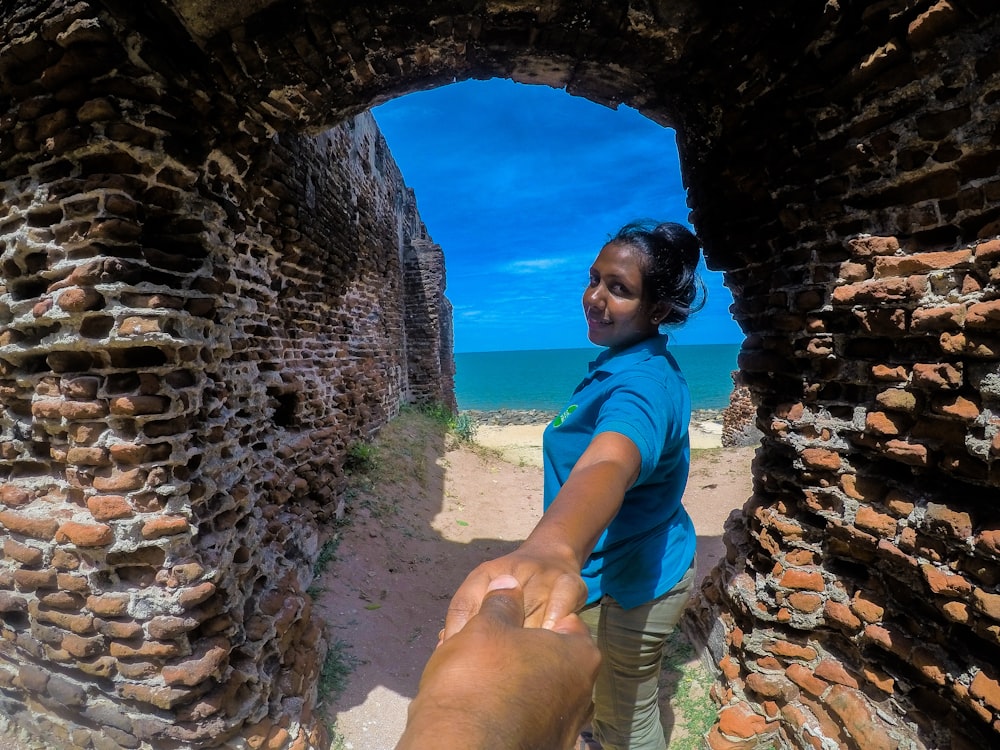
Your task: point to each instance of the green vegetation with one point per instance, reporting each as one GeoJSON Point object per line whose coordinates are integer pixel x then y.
{"type": "Point", "coordinates": [686, 682]}
{"type": "Point", "coordinates": [362, 458]}
{"type": "Point", "coordinates": [337, 667]}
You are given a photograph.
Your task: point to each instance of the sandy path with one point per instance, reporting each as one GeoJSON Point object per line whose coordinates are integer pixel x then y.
{"type": "Point", "coordinates": [396, 571]}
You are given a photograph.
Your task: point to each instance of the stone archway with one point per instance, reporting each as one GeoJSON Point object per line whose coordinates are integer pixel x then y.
{"type": "Point", "coordinates": [191, 339]}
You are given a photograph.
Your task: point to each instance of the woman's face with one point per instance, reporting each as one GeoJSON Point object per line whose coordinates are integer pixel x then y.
{"type": "Point", "coordinates": [613, 302]}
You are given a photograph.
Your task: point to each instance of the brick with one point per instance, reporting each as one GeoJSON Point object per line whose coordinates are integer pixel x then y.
{"type": "Point", "coordinates": [987, 603]}
{"type": "Point", "coordinates": [195, 595]}
{"type": "Point", "coordinates": [878, 292]}
{"type": "Point", "coordinates": [885, 424]}
{"type": "Point", "coordinates": [806, 679]}
{"type": "Point", "coordinates": [865, 607]}
{"type": "Point", "coordinates": [22, 553]}
{"type": "Point", "coordinates": [63, 600]}
{"type": "Point", "coordinates": [108, 605]}
{"type": "Point", "coordinates": [83, 410]}
{"type": "Point", "coordinates": [869, 246]}
{"type": "Point", "coordinates": [913, 454]}
{"type": "Point", "coordinates": [120, 482]}
{"type": "Point", "coordinates": [820, 458]}
{"type": "Point", "coordinates": [741, 721]}
{"type": "Point", "coordinates": [79, 299]}
{"type": "Point", "coordinates": [889, 373]}
{"type": "Point", "coordinates": [164, 526]}
{"type": "Point", "coordinates": [868, 519]}
{"type": "Point", "coordinates": [948, 318]}
{"type": "Point", "coordinates": [788, 650]}
{"type": "Point", "coordinates": [12, 602]}
{"type": "Point", "coordinates": [85, 534]}
{"type": "Point", "coordinates": [81, 624]}
{"type": "Point", "coordinates": [120, 630]}
{"type": "Point", "coordinates": [109, 507]}
{"type": "Point", "coordinates": [31, 580]}
{"type": "Point", "coordinates": [898, 503]}
{"type": "Point", "coordinates": [956, 612]}
{"type": "Point", "coordinates": [13, 496]}
{"type": "Point", "coordinates": [945, 584]}
{"type": "Point", "coordinates": [878, 678]}
{"type": "Point", "coordinates": [959, 407]}
{"type": "Point", "coordinates": [16, 522]}
{"type": "Point", "coordinates": [989, 540]}
{"type": "Point", "coordinates": [937, 375]}
{"type": "Point", "coordinates": [804, 602]}
{"type": "Point", "coordinates": [985, 688]}
{"type": "Point", "coordinates": [954, 523]}
{"type": "Point", "coordinates": [896, 399]}
{"type": "Point", "coordinates": [771, 686]}
{"type": "Point", "coordinates": [81, 647]}
{"type": "Point", "coordinates": [145, 650]}
{"type": "Point", "coordinates": [929, 666]}
{"type": "Point", "coordinates": [840, 615]}
{"type": "Point", "coordinates": [984, 315]}
{"type": "Point", "coordinates": [921, 263]}
{"type": "Point", "coordinates": [859, 721]}
{"type": "Point", "coordinates": [139, 405]}
{"type": "Point", "coordinates": [806, 580]}
{"type": "Point", "coordinates": [135, 325]}
{"type": "Point", "coordinates": [932, 24]}
{"type": "Point", "coordinates": [988, 251]}
{"type": "Point", "coordinates": [209, 662]}
{"type": "Point", "coordinates": [165, 698]}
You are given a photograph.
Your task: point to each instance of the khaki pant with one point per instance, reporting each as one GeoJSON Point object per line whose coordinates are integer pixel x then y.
{"type": "Point", "coordinates": [626, 711]}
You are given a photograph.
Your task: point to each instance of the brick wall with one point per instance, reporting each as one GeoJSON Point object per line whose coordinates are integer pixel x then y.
{"type": "Point", "coordinates": [203, 306]}
{"type": "Point", "coordinates": [193, 335]}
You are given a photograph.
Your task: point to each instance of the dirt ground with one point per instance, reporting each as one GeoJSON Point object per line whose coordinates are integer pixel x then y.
{"type": "Point", "coordinates": [437, 509]}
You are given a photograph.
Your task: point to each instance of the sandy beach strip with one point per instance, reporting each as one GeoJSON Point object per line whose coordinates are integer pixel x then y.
{"type": "Point", "coordinates": [522, 443]}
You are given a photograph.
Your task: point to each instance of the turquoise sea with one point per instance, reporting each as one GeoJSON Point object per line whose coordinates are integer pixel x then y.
{"type": "Point", "coordinates": [544, 379]}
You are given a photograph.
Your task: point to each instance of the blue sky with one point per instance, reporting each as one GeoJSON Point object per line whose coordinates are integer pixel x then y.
{"type": "Point", "coordinates": [521, 186]}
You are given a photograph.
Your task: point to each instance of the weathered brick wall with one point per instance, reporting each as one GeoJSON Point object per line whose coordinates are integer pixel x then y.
{"type": "Point", "coordinates": [858, 604]}
{"type": "Point", "coordinates": [193, 335]}
{"type": "Point", "coordinates": [178, 295]}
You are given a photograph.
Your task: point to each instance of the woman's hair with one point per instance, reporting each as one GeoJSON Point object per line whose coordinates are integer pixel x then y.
{"type": "Point", "coordinates": [670, 273]}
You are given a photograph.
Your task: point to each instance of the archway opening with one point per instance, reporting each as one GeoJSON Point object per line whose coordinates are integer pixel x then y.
{"type": "Point", "coordinates": [521, 185]}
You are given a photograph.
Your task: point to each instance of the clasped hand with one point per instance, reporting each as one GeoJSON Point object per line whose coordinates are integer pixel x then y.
{"type": "Point", "coordinates": [496, 678]}
{"type": "Point", "coordinates": [549, 577]}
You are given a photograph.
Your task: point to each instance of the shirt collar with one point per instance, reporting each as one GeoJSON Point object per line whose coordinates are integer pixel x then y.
{"type": "Point", "coordinates": [611, 361]}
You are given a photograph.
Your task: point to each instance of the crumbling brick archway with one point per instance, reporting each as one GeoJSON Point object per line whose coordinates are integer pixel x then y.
{"type": "Point", "coordinates": [204, 301]}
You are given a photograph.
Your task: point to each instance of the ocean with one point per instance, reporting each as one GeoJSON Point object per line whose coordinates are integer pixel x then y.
{"type": "Point", "coordinates": [544, 379]}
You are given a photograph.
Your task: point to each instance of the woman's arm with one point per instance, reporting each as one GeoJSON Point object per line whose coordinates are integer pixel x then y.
{"type": "Point", "coordinates": [548, 562]}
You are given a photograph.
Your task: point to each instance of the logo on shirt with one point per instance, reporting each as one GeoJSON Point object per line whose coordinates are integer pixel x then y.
{"type": "Point", "coordinates": [565, 414]}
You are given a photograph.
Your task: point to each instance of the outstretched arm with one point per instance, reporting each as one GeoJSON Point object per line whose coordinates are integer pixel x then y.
{"type": "Point", "coordinates": [548, 563]}
{"type": "Point", "coordinates": [496, 679]}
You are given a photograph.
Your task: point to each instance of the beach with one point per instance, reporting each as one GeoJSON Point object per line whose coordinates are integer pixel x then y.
{"type": "Point", "coordinates": [522, 443]}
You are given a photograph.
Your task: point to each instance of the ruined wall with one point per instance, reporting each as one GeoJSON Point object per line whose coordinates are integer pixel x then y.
{"type": "Point", "coordinates": [841, 161]}
{"type": "Point", "coordinates": [858, 603]}
{"type": "Point", "coordinates": [192, 336]}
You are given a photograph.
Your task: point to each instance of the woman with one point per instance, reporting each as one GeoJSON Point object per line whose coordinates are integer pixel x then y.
{"type": "Point", "coordinates": [616, 463]}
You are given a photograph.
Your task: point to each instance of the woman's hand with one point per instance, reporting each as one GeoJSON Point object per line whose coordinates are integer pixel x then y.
{"type": "Point", "coordinates": [499, 683]}
{"type": "Point", "coordinates": [549, 576]}
{"type": "Point", "coordinates": [547, 565]}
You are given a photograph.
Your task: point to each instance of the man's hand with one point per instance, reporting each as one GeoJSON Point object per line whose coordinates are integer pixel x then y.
{"type": "Point", "coordinates": [498, 683]}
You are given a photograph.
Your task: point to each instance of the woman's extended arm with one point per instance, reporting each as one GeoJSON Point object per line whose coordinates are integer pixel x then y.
{"type": "Point", "coordinates": [548, 562]}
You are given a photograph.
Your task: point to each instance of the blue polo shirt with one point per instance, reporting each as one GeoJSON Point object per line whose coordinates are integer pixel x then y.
{"type": "Point", "coordinates": [640, 393]}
